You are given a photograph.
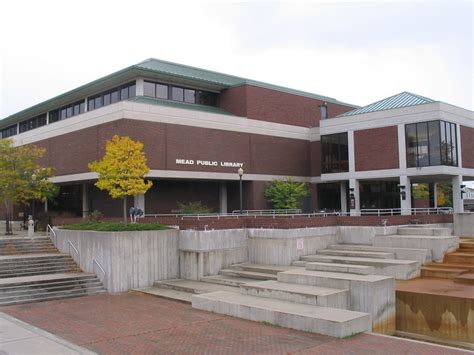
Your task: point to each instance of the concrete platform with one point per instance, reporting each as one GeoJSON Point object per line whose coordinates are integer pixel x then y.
{"type": "Point", "coordinates": [166, 293]}
{"type": "Point", "coordinates": [227, 280]}
{"type": "Point", "coordinates": [421, 255]}
{"type": "Point", "coordinates": [322, 320]}
{"type": "Point", "coordinates": [357, 253]}
{"type": "Point", "coordinates": [334, 267]}
{"type": "Point", "coordinates": [191, 286]}
{"type": "Point", "coordinates": [438, 245]}
{"type": "Point", "coordinates": [261, 268]}
{"type": "Point", "coordinates": [313, 295]}
{"type": "Point", "coordinates": [373, 294]}
{"type": "Point", "coordinates": [248, 274]}
{"type": "Point", "coordinates": [400, 269]}
{"type": "Point", "coordinates": [433, 231]}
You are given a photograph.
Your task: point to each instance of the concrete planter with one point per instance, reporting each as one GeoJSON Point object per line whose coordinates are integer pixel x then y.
{"type": "Point", "coordinates": [129, 259]}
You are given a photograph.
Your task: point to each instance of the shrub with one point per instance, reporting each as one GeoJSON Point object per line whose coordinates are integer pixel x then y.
{"type": "Point", "coordinates": [114, 226]}
{"type": "Point", "coordinates": [286, 194]}
{"type": "Point", "coordinates": [193, 207]}
{"type": "Point", "coordinates": [95, 216]}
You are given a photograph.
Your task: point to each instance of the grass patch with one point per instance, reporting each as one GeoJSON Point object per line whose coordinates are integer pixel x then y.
{"type": "Point", "coordinates": [114, 226]}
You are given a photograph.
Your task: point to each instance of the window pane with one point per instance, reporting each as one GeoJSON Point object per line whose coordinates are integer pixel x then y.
{"type": "Point", "coordinates": [449, 146]}
{"type": "Point", "coordinates": [124, 94]}
{"type": "Point", "coordinates": [132, 90]}
{"type": "Point", "coordinates": [189, 96]}
{"type": "Point", "coordinates": [98, 102]}
{"type": "Point", "coordinates": [106, 99]}
{"type": "Point", "coordinates": [334, 153]}
{"type": "Point", "coordinates": [91, 104]}
{"type": "Point", "coordinates": [422, 137]}
{"type": "Point", "coordinates": [82, 107]}
{"type": "Point", "coordinates": [114, 96]}
{"type": "Point", "coordinates": [53, 116]}
{"type": "Point", "coordinates": [454, 144]}
{"type": "Point", "coordinates": [41, 120]}
{"type": "Point", "coordinates": [206, 98]}
{"type": "Point", "coordinates": [435, 148]}
{"type": "Point", "coordinates": [63, 114]}
{"type": "Point", "coordinates": [76, 109]}
{"type": "Point", "coordinates": [162, 91]}
{"type": "Point", "coordinates": [177, 94]}
{"type": "Point", "coordinates": [149, 89]}
{"type": "Point", "coordinates": [411, 144]}
{"type": "Point", "coordinates": [324, 111]}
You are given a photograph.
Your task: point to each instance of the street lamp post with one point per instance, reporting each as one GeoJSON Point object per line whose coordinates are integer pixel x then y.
{"type": "Point", "coordinates": [240, 172]}
{"type": "Point", "coordinates": [33, 178]}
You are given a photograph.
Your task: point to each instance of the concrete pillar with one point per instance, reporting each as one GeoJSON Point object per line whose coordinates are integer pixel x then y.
{"type": "Point", "coordinates": [405, 205]}
{"type": "Point", "coordinates": [85, 201]}
{"type": "Point", "coordinates": [402, 153]}
{"type": "Point", "coordinates": [435, 193]}
{"type": "Point", "coordinates": [47, 117]}
{"type": "Point", "coordinates": [223, 197]}
{"type": "Point", "coordinates": [343, 196]}
{"type": "Point", "coordinates": [140, 87]}
{"type": "Point", "coordinates": [458, 203]}
{"type": "Point", "coordinates": [85, 105]}
{"type": "Point", "coordinates": [139, 201]}
{"type": "Point", "coordinates": [354, 209]}
{"type": "Point", "coordinates": [351, 151]}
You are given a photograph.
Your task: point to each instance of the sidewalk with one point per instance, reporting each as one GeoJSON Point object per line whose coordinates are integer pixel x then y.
{"type": "Point", "coordinates": [17, 337]}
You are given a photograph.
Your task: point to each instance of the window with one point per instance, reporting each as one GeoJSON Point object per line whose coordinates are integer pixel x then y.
{"type": "Point", "coordinates": [162, 91]}
{"type": "Point", "coordinates": [149, 89]}
{"type": "Point", "coordinates": [177, 94]}
{"type": "Point", "coordinates": [431, 143]}
{"type": "Point", "coordinates": [33, 123]}
{"type": "Point", "coordinates": [324, 111]}
{"type": "Point", "coordinates": [190, 96]}
{"type": "Point", "coordinates": [206, 98]}
{"type": "Point", "coordinates": [111, 96]}
{"type": "Point", "coordinates": [9, 131]}
{"type": "Point", "coordinates": [334, 153]}
{"type": "Point", "coordinates": [166, 92]}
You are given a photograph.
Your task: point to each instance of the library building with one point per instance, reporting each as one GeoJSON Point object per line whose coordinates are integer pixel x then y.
{"type": "Point", "coordinates": [199, 127]}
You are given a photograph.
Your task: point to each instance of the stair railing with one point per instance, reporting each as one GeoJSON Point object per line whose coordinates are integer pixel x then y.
{"type": "Point", "coordinates": [70, 244]}
{"type": "Point", "coordinates": [104, 279]}
{"type": "Point", "coordinates": [52, 235]}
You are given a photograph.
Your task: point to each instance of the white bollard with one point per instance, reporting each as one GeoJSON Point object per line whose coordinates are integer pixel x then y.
{"type": "Point", "coordinates": [31, 227]}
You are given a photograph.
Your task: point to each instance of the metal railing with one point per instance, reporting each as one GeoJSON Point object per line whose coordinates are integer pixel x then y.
{"type": "Point", "coordinates": [95, 262]}
{"type": "Point", "coordinates": [52, 235]}
{"type": "Point", "coordinates": [236, 216]}
{"type": "Point", "coordinates": [267, 212]}
{"type": "Point", "coordinates": [71, 244]}
{"type": "Point", "coordinates": [407, 211]}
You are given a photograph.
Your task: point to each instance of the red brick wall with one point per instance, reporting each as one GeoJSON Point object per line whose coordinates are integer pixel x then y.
{"type": "Point", "coordinates": [467, 145]}
{"type": "Point", "coordinates": [376, 148]}
{"type": "Point", "coordinates": [164, 143]}
{"type": "Point", "coordinates": [276, 106]}
{"type": "Point", "coordinates": [315, 158]}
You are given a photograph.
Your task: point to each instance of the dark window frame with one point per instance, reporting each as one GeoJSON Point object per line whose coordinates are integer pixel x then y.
{"type": "Point", "coordinates": [335, 164]}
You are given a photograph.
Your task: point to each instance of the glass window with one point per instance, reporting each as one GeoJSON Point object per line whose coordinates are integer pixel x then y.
{"type": "Point", "coordinates": [9, 131]}
{"type": "Point", "coordinates": [177, 94]}
{"type": "Point", "coordinates": [76, 109]}
{"type": "Point", "coordinates": [114, 96]}
{"type": "Point", "coordinates": [63, 114]}
{"type": "Point", "coordinates": [107, 99]}
{"type": "Point", "coordinates": [162, 91]}
{"type": "Point", "coordinates": [435, 140]}
{"type": "Point", "coordinates": [449, 146]}
{"type": "Point", "coordinates": [334, 153]}
{"type": "Point", "coordinates": [422, 136]}
{"type": "Point", "coordinates": [69, 111]}
{"type": "Point", "coordinates": [149, 89]}
{"type": "Point", "coordinates": [411, 145]}
{"type": "Point", "coordinates": [98, 102]}
{"type": "Point", "coordinates": [454, 144]}
{"type": "Point", "coordinates": [132, 90]}
{"type": "Point", "coordinates": [82, 107]}
{"type": "Point", "coordinates": [189, 96]}
{"type": "Point", "coordinates": [124, 94]}
{"type": "Point", "coordinates": [53, 116]}
{"type": "Point", "coordinates": [90, 104]}
{"type": "Point", "coordinates": [324, 111]}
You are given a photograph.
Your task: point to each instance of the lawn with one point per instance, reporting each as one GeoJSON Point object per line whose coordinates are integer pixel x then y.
{"type": "Point", "coordinates": [114, 226]}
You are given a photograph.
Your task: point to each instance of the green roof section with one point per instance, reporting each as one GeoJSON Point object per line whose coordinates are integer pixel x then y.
{"type": "Point", "coordinates": [403, 99]}
{"type": "Point", "coordinates": [177, 104]}
{"type": "Point", "coordinates": [158, 70]}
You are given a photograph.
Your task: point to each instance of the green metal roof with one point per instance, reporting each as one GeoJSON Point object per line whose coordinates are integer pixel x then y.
{"type": "Point", "coordinates": [158, 70]}
{"type": "Point", "coordinates": [403, 99]}
{"type": "Point", "coordinates": [171, 103]}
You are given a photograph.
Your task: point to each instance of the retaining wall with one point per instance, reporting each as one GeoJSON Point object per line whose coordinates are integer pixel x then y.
{"type": "Point", "coordinates": [464, 224]}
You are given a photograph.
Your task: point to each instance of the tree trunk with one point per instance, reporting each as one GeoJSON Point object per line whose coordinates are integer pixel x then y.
{"type": "Point", "coordinates": [125, 210]}
{"type": "Point", "coordinates": [8, 224]}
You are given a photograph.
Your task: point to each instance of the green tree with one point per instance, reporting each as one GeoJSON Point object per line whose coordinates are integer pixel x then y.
{"type": "Point", "coordinates": [122, 170]}
{"type": "Point", "coordinates": [420, 191]}
{"type": "Point", "coordinates": [286, 194]}
{"type": "Point", "coordinates": [22, 179]}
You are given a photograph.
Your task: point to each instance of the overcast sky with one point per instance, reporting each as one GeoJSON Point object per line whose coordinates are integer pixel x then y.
{"type": "Point", "coordinates": [357, 52]}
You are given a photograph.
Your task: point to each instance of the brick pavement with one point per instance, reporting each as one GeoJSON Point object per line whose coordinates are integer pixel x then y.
{"type": "Point", "coordinates": [135, 323]}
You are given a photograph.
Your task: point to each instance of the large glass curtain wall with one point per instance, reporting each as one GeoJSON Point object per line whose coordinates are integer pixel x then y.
{"type": "Point", "coordinates": [334, 153]}
{"type": "Point", "coordinates": [431, 143]}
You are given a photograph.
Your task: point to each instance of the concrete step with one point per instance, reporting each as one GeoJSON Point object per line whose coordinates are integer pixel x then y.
{"type": "Point", "coordinates": [21, 267]}
{"type": "Point", "coordinates": [170, 294]}
{"type": "Point", "coordinates": [60, 286]}
{"type": "Point", "coordinates": [357, 253]}
{"type": "Point", "coordinates": [248, 274]}
{"type": "Point", "coordinates": [437, 245]}
{"type": "Point", "coordinates": [261, 268]}
{"type": "Point", "coordinates": [373, 294]}
{"type": "Point", "coordinates": [53, 296]}
{"type": "Point", "coordinates": [44, 256]}
{"type": "Point", "coordinates": [467, 279]}
{"type": "Point", "coordinates": [299, 263]}
{"type": "Point", "coordinates": [467, 245]}
{"type": "Point", "coordinates": [441, 273]}
{"type": "Point", "coordinates": [334, 267]}
{"type": "Point", "coordinates": [191, 286]}
{"type": "Point", "coordinates": [227, 280]}
{"type": "Point", "coordinates": [421, 255]}
{"type": "Point", "coordinates": [314, 295]}
{"type": "Point", "coordinates": [37, 279]}
{"type": "Point", "coordinates": [400, 269]}
{"type": "Point", "coordinates": [40, 272]}
{"type": "Point", "coordinates": [49, 284]}
{"type": "Point", "coordinates": [322, 320]}
{"type": "Point", "coordinates": [79, 290]}
{"type": "Point", "coordinates": [452, 266]}
{"type": "Point", "coordinates": [460, 258]}
{"type": "Point", "coordinates": [433, 231]}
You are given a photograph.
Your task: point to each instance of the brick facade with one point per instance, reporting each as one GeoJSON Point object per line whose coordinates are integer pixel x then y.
{"type": "Point", "coordinates": [467, 144]}
{"type": "Point", "coordinates": [276, 106]}
{"type": "Point", "coordinates": [376, 148]}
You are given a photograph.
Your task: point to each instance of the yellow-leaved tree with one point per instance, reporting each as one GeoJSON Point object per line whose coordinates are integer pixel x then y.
{"type": "Point", "coordinates": [122, 170]}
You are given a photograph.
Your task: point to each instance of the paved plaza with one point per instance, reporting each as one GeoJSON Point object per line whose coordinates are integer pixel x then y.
{"type": "Point", "coordinates": [143, 324]}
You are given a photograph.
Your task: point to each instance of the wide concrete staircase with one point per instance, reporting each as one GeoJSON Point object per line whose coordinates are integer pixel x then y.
{"type": "Point", "coordinates": [457, 266]}
{"type": "Point", "coordinates": [33, 270]}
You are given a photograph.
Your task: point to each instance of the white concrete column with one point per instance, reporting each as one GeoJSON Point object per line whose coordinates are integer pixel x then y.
{"type": "Point", "coordinates": [402, 153]}
{"type": "Point", "coordinates": [47, 117]}
{"type": "Point", "coordinates": [458, 203]}
{"type": "Point", "coordinates": [458, 141]}
{"type": "Point", "coordinates": [405, 205]}
{"type": "Point", "coordinates": [85, 201]}
{"type": "Point", "coordinates": [351, 151]}
{"type": "Point", "coordinates": [435, 193]}
{"type": "Point", "coordinates": [140, 87]}
{"type": "Point", "coordinates": [343, 196]}
{"type": "Point", "coordinates": [354, 184]}
{"type": "Point", "coordinates": [223, 197]}
{"type": "Point", "coordinates": [139, 201]}
{"type": "Point", "coordinates": [85, 105]}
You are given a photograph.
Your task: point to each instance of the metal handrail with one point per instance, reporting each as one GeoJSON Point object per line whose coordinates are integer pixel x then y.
{"type": "Point", "coordinates": [411, 211]}
{"type": "Point", "coordinates": [52, 232]}
{"type": "Point", "coordinates": [95, 262]}
{"type": "Point", "coordinates": [70, 244]}
{"type": "Point", "coordinates": [268, 212]}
